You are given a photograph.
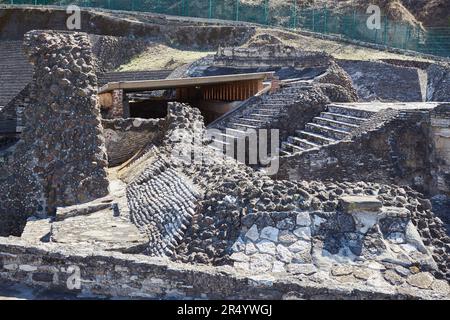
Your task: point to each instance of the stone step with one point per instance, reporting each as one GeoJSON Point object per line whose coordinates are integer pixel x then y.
{"type": "Point", "coordinates": [281, 99]}
{"type": "Point", "coordinates": [285, 153]}
{"type": "Point", "coordinates": [235, 132]}
{"type": "Point", "coordinates": [291, 147]}
{"type": "Point", "coordinates": [343, 118]}
{"type": "Point", "coordinates": [220, 142]}
{"type": "Point", "coordinates": [267, 111]}
{"type": "Point", "coordinates": [349, 111]}
{"type": "Point", "coordinates": [229, 136]}
{"type": "Point", "coordinates": [271, 105]}
{"type": "Point", "coordinates": [217, 149]}
{"type": "Point", "coordinates": [263, 117]}
{"type": "Point", "coordinates": [305, 144]}
{"type": "Point", "coordinates": [295, 90]}
{"type": "Point", "coordinates": [314, 137]}
{"type": "Point", "coordinates": [279, 93]}
{"type": "Point", "coordinates": [335, 124]}
{"type": "Point", "coordinates": [250, 121]}
{"type": "Point", "coordinates": [326, 131]}
{"type": "Point", "coordinates": [242, 126]}
{"type": "Point", "coordinates": [280, 96]}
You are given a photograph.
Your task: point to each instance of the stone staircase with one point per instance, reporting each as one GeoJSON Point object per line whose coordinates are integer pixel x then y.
{"type": "Point", "coordinates": [15, 71]}
{"type": "Point", "coordinates": [15, 74]}
{"type": "Point", "coordinates": [257, 114]}
{"type": "Point", "coordinates": [334, 125]}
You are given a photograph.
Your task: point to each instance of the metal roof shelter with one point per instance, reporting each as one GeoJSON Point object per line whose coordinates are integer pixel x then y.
{"type": "Point", "coordinates": [148, 85]}
{"type": "Point", "coordinates": [222, 89]}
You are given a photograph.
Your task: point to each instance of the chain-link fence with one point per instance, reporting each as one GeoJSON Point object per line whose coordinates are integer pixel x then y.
{"type": "Point", "coordinates": [288, 14]}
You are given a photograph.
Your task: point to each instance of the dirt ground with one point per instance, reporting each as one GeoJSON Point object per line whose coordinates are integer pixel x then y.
{"type": "Point", "coordinates": [162, 57]}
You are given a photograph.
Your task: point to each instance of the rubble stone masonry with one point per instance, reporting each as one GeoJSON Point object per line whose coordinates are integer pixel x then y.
{"type": "Point", "coordinates": [105, 274]}
{"type": "Point", "coordinates": [61, 158]}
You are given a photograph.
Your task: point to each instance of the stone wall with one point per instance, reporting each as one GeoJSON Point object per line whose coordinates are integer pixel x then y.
{"type": "Point", "coordinates": [301, 241]}
{"type": "Point", "coordinates": [310, 103]}
{"type": "Point", "coordinates": [112, 52]}
{"type": "Point", "coordinates": [335, 75]}
{"type": "Point", "coordinates": [384, 150]}
{"type": "Point", "coordinates": [61, 158]}
{"type": "Point", "coordinates": [272, 55]}
{"type": "Point", "coordinates": [384, 82]}
{"type": "Point", "coordinates": [126, 137]}
{"type": "Point", "coordinates": [172, 31]}
{"type": "Point", "coordinates": [106, 275]}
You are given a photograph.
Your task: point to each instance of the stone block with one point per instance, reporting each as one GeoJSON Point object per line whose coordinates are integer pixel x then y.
{"type": "Point", "coordinates": [303, 233]}
{"type": "Point", "coordinates": [351, 204]}
{"type": "Point", "coordinates": [239, 257]}
{"type": "Point", "coordinates": [270, 233]}
{"type": "Point", "coordinates": [261, 263]}
{"type": "Point", "coordinates": [303, 219]}
{"type": "Point", "coordinates": [250, 248]}
{"type": "Point", "coordinates": [422, 280]}
{"type": "Point", "coordinates": [27, 268]}
{"type": "Point", "coordinates": [252, 233]}
{"type": "Point", "coordinates": [287, 237]}
{"type": "Point", "coordinates": [265, 246]}
{"type": "Point", "coordinates": [306, 269]}
{"type": "Point", "coordinates": [278, 267]}
{"type": "Point", "coordinates": [300, 246]}
{"type": "Point", "coordinates": [283, 254]}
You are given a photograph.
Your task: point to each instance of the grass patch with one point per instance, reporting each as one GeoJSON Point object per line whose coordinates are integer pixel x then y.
{"type": "Point", "coordinates": [162, 57]}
